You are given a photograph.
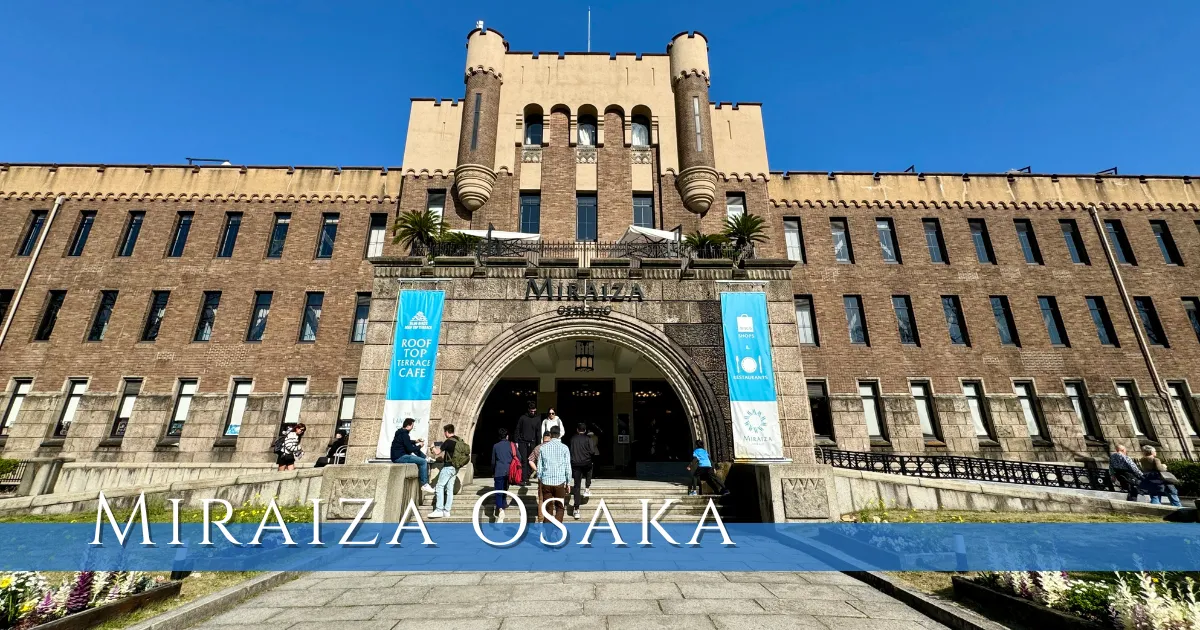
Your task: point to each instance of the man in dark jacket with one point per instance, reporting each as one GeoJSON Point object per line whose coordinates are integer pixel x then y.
{"type": "Point", "coordinates": [582, 452]}
{"type": "Point", "coordinates": [502, 457]}
{"type": "Point", "coordinates": [527, 434]}
{"type": "Point", "coordinates": [407, 451]}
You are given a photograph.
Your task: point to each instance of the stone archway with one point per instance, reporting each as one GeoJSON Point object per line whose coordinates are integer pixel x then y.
{"type": "Point", "coordinates": [705, 415]}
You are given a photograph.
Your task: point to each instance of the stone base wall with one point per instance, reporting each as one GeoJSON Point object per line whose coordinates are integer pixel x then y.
{"type": "Point", "coordinates": [95, 476]}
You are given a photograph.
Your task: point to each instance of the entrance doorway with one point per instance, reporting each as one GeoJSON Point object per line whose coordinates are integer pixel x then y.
{"type": "Point", "coordinates": [507, 401]}
{"type": "Point", "coordinates": [590, 402]}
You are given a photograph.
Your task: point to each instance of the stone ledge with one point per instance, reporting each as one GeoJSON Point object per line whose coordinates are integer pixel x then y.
{"type": "Point", "coordinates": [505, 261]}
{"type": "Point", "coordinates": [768, 263]}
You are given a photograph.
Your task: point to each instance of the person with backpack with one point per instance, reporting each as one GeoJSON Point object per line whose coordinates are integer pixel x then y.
{"type": "Point", "coordinates": [702, 470]}
{"type": "Point", "coordinates": [582, 453]}
{"type": "Point", "coordinates": [455, 454]}
{"type": "Point", "coordinates": [506, 469]}
{"type": "Point", "coordinates": [287, 447]}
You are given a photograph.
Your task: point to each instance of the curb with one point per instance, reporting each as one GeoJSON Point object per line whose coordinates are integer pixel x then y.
{"type": "Point", "coordinates": [194, 612]}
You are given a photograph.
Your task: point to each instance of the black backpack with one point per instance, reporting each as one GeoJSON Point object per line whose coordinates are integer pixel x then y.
{"type": "Point", "coordinates": [277, 445]}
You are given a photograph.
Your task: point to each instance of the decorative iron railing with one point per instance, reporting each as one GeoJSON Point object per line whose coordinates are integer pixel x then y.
{"type": "Point", "coordinates": [584, 252]}
{"type": "Point", "coordinates": [11, 481]}
{"type": "Point", "coordinates": [971, 468]}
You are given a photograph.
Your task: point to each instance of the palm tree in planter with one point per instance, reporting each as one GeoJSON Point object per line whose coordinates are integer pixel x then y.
{"type": "Point", "coordinates": [458, 244]}
{"type": "Point", "coordinates": [744, 230]}
{"type": "Point", "coordinates": [705, 245]}
{"type": "Point", "coordinates": [418, 229]}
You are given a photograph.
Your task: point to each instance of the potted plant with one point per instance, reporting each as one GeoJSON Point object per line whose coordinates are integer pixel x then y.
{"type": "Point", "coordinates": [743, 231]}
{"type": "Point", "coordinates": [705, 245]}
{"type": "Point", "coordinates": [418, 230]}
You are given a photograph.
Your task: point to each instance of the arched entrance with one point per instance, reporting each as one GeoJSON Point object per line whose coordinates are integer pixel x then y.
{"type": "Point", "coordinates": [702, 413]}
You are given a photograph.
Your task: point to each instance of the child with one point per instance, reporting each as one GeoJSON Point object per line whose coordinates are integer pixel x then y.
{"type": "Point", "coordinates": [701, 469]}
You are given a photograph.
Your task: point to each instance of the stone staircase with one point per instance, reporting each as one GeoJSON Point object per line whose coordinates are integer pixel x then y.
{"type": "Point", "coordinates": [621, 496]}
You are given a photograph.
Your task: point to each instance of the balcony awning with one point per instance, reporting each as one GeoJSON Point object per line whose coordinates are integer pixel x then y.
{"type": "Point", "coordinates": [637, 234]}
{"type": "Point", "coordinates": [497, 235]}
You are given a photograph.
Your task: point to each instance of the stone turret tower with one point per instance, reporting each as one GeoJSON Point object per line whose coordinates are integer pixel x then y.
{"type": "Point", "coordinates": [474, 174]}
{"type": "Point", "coordinates": [697, 181]}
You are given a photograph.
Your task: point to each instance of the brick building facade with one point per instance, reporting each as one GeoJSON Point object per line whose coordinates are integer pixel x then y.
{"type": "Point", "coordinates": [1011, 315]}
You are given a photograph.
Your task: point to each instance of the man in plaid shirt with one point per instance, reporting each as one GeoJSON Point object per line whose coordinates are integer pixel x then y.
{"type": "Point", "coordinates": [1126, 470]}
{"type": "Point", "coordinates": [554, 475]}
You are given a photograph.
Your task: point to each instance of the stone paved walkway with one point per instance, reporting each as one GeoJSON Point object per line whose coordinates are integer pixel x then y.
{"type": "Point", "coordinates": [573, 600]}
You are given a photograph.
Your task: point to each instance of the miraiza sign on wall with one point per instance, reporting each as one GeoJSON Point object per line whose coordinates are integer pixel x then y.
{"type": "Point", "coordinates": [583, 291]}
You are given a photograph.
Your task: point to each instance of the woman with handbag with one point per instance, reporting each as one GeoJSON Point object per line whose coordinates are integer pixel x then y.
{"type": "Point", "coordinates": [1156, 481]}
{"type": "Point", "coordinates": [504, 453]}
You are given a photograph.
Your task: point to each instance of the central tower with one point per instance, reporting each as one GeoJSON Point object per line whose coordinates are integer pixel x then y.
{"type": "Point", "coordinates": [474, 172]}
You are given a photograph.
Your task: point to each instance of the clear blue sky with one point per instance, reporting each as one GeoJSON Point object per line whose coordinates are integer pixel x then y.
{"type": "Point", "coordinates": [948, 86]}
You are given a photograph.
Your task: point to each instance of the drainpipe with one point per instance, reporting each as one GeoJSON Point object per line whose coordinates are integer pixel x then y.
{"type": "Point", "coordinates": [1138, 333]}
{"type": "Point", "coordinates": [12, 309]}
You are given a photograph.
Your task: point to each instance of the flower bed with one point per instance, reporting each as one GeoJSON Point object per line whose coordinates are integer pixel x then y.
{"type": "Point", "coordinates": [85, 598]}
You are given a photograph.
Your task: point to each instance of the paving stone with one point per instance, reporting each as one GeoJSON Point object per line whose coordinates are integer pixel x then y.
{"type": "Point", "coordinates": [604, 576]}
{"type": "Point", "coordinates": [665, 622]}
{"type": "Point", "coordinates": [828, 577]}
{"type": "Point", "coordinates": [573, 622]}
{"type": "Point", "coordinates": [711, 606]}
{"type": "Point", "coordinates": [865, 592]}
{"type": "Point", "coordinates": [326, 614]}
{"type": "Point", "coordinates": [552, 593]}
{"type": "Point", "coordinates": [313, 581]}
{"type": "Point", "coordinates": [637, 590]}
{"type": "Point", "coordinates": [294, 599]}
{"type": "Point", "coordinates": [382, 597]}
{"type": "Point", "coordinates": [762, 577]}
{"type": "Point", "coordinates": [887, 610]}
{"type": "Point", "coordinates": [378, 582]}
{"type": "Point", "coordinates": [518, 577]}
{"type": "Point", "coordinates": [680, 577]}
{"type": "Point", "coordinates": [427, 610]}
{"type": "Point", "coordinates": [459, 623]}
{"type": "Point", "coordinates": [475, 593]}
{"type": "Point", "coordinates": [445, 578]}
{"type": "Point", "coordinates": [809, 591]}
{"type": "Point", "coordinates": [846, 623]}
{"type": "Point", "coordinates": [827, 607]}
{"type": "Point", "coordinates": [767, 622]}
{"type": "Point", "coordinates": [243, 615]}
{"type": "Point", "coordinates": [627, 607]}
{"type": "Point", "coordinates": [374, 624]}
{"type": "Point", "coordinates": [534, 608]}
{"type": "Point", "coordinates": [742, 590]}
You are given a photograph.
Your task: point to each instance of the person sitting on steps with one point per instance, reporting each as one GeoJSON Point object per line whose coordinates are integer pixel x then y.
{"type": "Point", "coordinates": [405, 450]}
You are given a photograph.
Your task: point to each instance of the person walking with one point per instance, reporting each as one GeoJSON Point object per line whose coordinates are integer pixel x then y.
{"type": "Point", "coordinates": [702, 471]}
{"type": "Point", "coordinates": [554, 475]}
{"type": "Point", "coordinates": [527, 433]}
{"type": "Point", "coordinates": [405, 450]}
{"type": "Point", "coordinates": [552, 420]}
{"type": "Point", "coordinates": [537, 450]}
{"type": "Point", "coordinates": [1156, 481]}
{"type": "Point", "coordinates": [1123, 468]}
{"type": "Point", "coordinates": [289, 449]}
{"type": "Point", "coordinates": [504, 453]}
{"type": "Point", "coordinates": [582, 453]}
{"type": "Point", "coordinates": [455, 454]}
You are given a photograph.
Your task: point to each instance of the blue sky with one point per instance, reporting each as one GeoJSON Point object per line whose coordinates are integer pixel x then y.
{"type": "Point", "coordinates": [1062, 86]}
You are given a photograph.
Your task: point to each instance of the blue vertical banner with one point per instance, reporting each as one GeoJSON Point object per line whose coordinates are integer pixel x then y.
{"type": "Point", "coordinates": [750, 371]}
{"type": "Point", "coordinates": [414, 361]}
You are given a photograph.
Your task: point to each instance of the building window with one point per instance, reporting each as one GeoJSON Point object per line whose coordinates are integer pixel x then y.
{"type": "Point", "coordinates": [585, 218]}
{"type": "Point", "coordinates": [108, 299]}
{"type": "Point", "coordinates": [82, 231]}
{"type": "Point", "coordinates": [934, 242]}
{"type": "Point", "coordinates": [643, 211]}
{"type": "Point", "coordinates": [132, 229]}
{"type": "Point", "coordinates": [183, 226]}
{"type": "Point", "coordinates": [362, 310]}
{"type": "Point", "coordinates": [925, 411]}
{"type": "Point", "coordinates": [54, 302]}
{"type": "Point", "coordinates": [21, 389]}
{"type": "Point", "coordinates": [1104, 326]}
{"type": "Point", "coordinates": [1029, 244]}
{"type": "Point", "coordinates": [1082, 404]}
{"type": "Point", "coordinates": [1128, 392]}
{"type": "Point", "coordinates": [872, 411]}
{"type": "Point", "coordinates": [1166, 244]}
{"type": "Point", "coordinates": [1031, 409]}
{"type": "Point", "coordinates": [258, 318]}
{"type": "Point", "coordinates": [842, 250]}
{"type": "Point", "coordinates": [1191, 306]}
{"type": "Point", "coordinates": [279, 232]}
{"type": "Point", "coordinates": [233, 223]}
{"type": "Point", "coordinates": [822, 412]}
{"type": "Point", "coordinates": [806, 320]}
{"type": "Point", "coordinates": [329, 226]}
{"type": "Point", "coordinates": [531, 213]}
{"type": "Point", "coordinates": [183, 405]}
{"type": "Point", "coordinates": [237, 407]}
{"type": "Point", "coordinates": [793, 238]}
{"type": "Point", "coordinates": [75, 390]}
{"type": "Point", "coordinates": [887, 240]}
{"type": "Point", "coordinates": [1182, 399]}
{"type": "Point", "coordinates": [125, 409]}
{"type": "Point", "coordinates": [641, 131]}
{"type": "Point", "coordinates": [37, 221]}
{"type": "Point", "coordinates": [435, 203]}
{"type": "Point", "coordinates": [154, 318]}
{"type": "Point", "coordinates": [1150, 323]}
{"type": "Point", "coordinates": [1119, 242]}
{"type": "Point", "coordinates": [377, 234]}
{"type": "Point", "coordinates": [312, 316]}
{"type": "Point", "coordinates": [587, 131]}
{"type": "Point", "coordinates": [983, 243]}
{"type": "Point", "coordinates": [533, 130]}
{"type": "Point", "coordinates": [291, 407]}
{"type": "Point", "coordinates": [475, 120]}
{"type": "Point", "coordinates": [1005, 325]}
{"type": "Point", "coordinates": [1053, 320]}
{"type": "Point", "coordinates": [735, 205]}
{"type": "Point", "coordinates": [6, 298]}
{"type": "Point", "coordinates": [346, 408]}
{"type": "Point", "coordinates": [955, 322]}
{"type": "Point", "coordinates": [1074, 240]}
{"type": "Point", "coordinates": [696, 123]}
{"type": "Point", "coordinates": [208, 316]}
{"type": "Point", "coordinates": [856, 319]}
{"type": "Point", "coordinates": [977, 404]}
{"type": "Point", "coordinates": [906, 322]}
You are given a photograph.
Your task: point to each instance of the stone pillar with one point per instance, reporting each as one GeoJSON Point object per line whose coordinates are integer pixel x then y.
{"type": "Point", "coordinates": [475, 172]}
{"type": "Point", "coordinates": [697, 180]}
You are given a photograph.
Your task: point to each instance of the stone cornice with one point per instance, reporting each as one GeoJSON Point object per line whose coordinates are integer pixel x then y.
{"type": "Point", "coordinates": [198, 197]}
{"type": "Point", "coordinates": [683, 74]}
{"type": "Point", "coordinates": [990, 205]}
{"type": "Point", "coordinates": [482, 70]}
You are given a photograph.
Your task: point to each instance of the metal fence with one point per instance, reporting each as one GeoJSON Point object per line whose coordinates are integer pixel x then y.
{"type": "Point", "coordinates": [584, 252]}
{"type": "Point", "coordinates": [971, 468]}
{"type": "Point", "coordinates": [12, 481]}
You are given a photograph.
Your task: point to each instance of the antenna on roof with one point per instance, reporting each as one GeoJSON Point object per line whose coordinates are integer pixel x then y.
{"type": "Point", "coordinates": [222, 161]}
{"type": "Point", "coordinates": [912, 168]}
{"type": "Point", "coordinates": [479, 25]}
{"type": "Point", "coordinates": [589, 47]}
{"type": "Point", "coordinates": [1108, 171]}
{"type": "Point", "coordinates": [1025, 169]}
